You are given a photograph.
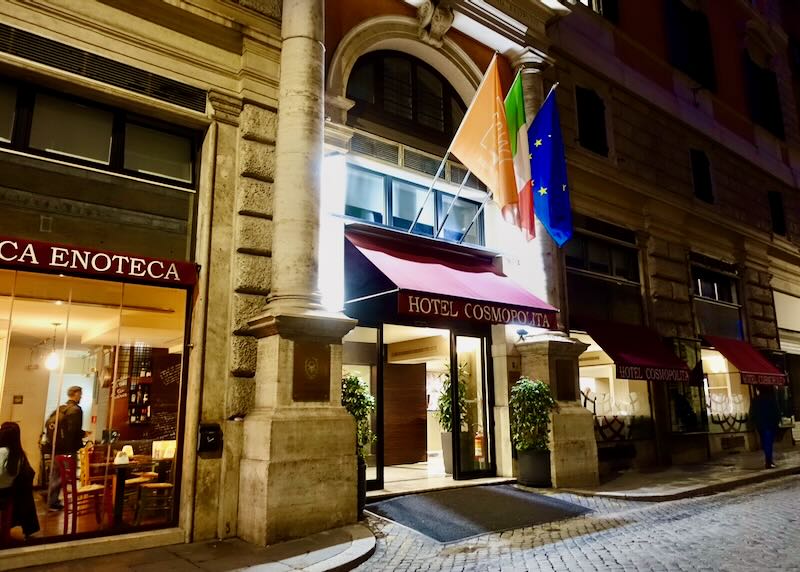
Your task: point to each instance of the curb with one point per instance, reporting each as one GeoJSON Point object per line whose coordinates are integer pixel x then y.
{"type": "Point", "coordinates": [699, 491]}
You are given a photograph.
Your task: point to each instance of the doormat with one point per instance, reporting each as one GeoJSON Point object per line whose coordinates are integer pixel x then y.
{"type": "Point", "coordinates": [456, 514]}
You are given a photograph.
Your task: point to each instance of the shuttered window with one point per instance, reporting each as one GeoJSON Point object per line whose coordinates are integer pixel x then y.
{"type": "Point", "coordinates": [689, 38]}
{"type": "Point", "coordinates": [763, 97]}
{"type": "Point", "coordinates": [591, 121]}
{"type": "Point", "coordinates": [776, 212]}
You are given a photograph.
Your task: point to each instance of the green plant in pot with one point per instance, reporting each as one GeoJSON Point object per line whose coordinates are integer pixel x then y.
{"type": "Point", "coordinates": [359, 402]}
{"type": "Point", "coordinates": [531, 404]}
{"type": "Point", "coordinates": [444, 414]}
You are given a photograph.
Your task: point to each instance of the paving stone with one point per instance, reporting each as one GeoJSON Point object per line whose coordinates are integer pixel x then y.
{"type": "Point", "coordinates": [751, 528]}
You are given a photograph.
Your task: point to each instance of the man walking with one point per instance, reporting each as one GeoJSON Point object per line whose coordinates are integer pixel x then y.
{"type": "Point", "coordinates": [766, 417]}
{"type": "Point", "coordinates": [65, 431]}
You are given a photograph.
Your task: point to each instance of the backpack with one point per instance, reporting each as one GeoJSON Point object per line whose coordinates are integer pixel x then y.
{"type": "Point", "coordinates": [56, 419]}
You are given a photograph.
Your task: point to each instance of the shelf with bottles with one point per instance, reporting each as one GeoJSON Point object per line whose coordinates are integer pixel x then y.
{"type": "Point", "coordinates": [139, 406]}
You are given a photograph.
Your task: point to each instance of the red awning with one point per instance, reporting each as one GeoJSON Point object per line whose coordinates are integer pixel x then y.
{"type": "Point", "coordinates": [427, 284]}
{"type": "Point", "coordinates": [754, 367]}
{"type": "Point", "coordinates": [638, 352]}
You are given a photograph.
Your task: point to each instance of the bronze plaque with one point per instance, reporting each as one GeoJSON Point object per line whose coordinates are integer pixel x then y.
{"type": "Point", "coordinates": [312, 372]}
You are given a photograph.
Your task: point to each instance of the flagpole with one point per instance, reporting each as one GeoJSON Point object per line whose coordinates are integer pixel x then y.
{"type": "Point", "coordinates": [449, 147]}
{"type": "Point", "coordinates": [452, 204]}
{"type": "Point", "coordinates": [477, 214]}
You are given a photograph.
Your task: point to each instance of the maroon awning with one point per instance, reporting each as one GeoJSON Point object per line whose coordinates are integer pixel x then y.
{"type": "Point", "coordinates": [429, 284]}
{"type": "Point", "coordinates": [638, 352]}
{"type": "Point", "coordinates": [754, 367]}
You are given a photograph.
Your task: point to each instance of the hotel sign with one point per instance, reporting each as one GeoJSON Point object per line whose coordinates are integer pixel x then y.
{"type": "Point", "coordinates": [432, 306]}
{"type": "Point", "coordinates": [62, 259]}
{"type": "Point", "coordinates": [763, 379]}
{"type": "Point", "coordinates": [652, 373]}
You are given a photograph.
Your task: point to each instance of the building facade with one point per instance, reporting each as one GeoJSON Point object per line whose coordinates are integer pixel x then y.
{"type": "Point", "coordinates": [213, 210]}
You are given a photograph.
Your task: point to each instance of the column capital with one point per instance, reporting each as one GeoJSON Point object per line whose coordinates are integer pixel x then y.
{"type": "Point", "coordinates": [530, 60]}
{"type": "Point", "coordinates": [300, 324]}
{"type": "Point", "coordinates": [556, 344]}
{"type": "Point", "coordinates": [225, 108]}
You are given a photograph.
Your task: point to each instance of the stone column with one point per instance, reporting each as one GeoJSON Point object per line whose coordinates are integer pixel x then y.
{"type": "Point", "coordinates": [553, 357]}
{"type": "Point", "coordinates": [298, 468]}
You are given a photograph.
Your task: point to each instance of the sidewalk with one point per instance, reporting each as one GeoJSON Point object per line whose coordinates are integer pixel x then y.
{"type": "Point", "coordinates": [682, 481]}
{"type": "Point", "coordinates": [334, 550]}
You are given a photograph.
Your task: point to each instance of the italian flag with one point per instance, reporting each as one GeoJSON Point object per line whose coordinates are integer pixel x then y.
{"type": "Point", "coordinates": [518, 138]}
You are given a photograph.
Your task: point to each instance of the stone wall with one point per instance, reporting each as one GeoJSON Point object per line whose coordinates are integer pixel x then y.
{"type": "Point", "coordinates": [760, 308]}
{"type": "Point", "coordinates": [668, 274]}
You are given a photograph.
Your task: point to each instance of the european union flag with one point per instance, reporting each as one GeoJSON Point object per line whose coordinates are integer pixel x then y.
{"type": "Point", "coordinates": [549, 172]}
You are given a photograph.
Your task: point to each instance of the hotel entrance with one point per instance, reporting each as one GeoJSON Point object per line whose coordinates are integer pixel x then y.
{"type": "Point", "coordinates": [433, 414]}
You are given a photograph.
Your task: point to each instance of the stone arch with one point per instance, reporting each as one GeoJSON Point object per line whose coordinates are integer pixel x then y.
{"type": "Point", "coordinates": [401, 34]}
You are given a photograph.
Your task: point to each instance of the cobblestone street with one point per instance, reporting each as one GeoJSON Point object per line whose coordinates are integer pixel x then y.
{"type": "Point", "coordinates": [748, 529]}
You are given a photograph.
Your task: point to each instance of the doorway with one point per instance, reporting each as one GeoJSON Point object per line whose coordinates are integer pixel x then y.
{"type": "Point", "coordinates": [410, 370]}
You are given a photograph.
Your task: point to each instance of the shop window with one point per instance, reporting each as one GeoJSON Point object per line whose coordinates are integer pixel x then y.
{"type": "Point", "coordinates": [116, 350]}
{"type": "Point", "coordinates": [155, 152]}
{"type": "Point", "coordinates": [8, 102]}
{"type": "Point", "coordinates": [591, 111]}
{"type": "Point", "coordinates": [763, 96]}
{"type": "Point", "coordinates": [716, 304]}
{"type": "Point", "coordinates": [602, 257]}
{"type": "Point", "coordinates": [690, 47]}
{"type": "Point", "coordinates": [727, 398]}
{"type": "Point", "coordinates": [368, 194]}
{"type": "Point", "coordinates": [777, 215]}
{"type": "Point", "coordinates": [687, 400]}
{"type": "Point", "coordinates": [71, 129]}
{"type": "Point", "coordinates": [405, 95]}
{"type": "Point", "coordinates": [701, 176]}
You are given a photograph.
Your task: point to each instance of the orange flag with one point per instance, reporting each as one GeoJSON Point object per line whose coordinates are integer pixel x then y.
{"type": "Point", "coordinates": [482, 143]}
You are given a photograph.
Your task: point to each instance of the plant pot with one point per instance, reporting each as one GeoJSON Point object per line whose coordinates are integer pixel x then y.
{"type": "Point", "coordinates": [534, 468]}
{"type": "Point", "coordinates": [362, 487]}
{"type": "Point", "coordinates": [467, 449]}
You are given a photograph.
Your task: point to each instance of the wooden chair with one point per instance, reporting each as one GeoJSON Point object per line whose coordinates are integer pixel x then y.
{"type": "Point", "coordinates": [78, 501]}
{"type": "Point", "coordinates": [155, 499]}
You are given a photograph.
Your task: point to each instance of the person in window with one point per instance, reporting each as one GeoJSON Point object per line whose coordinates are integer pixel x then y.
{"type": "Point", "coordinates": [683, 409]}
{"type": "Point", "coordinates": [16, 480]}
{"type": "Point", "coordinates": [766, 417]}
{"type": "Point", "coordinates": [65, 428]}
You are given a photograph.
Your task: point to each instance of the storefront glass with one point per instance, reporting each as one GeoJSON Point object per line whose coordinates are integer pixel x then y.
{"type": "Point", "coordinates": [470, 356]}
{"type": "Point", "coordinates": [91, 376]}
{"type": "Point", "coordinates": [727, 397]}
{"type": "Point", "coordinates": [360, 357]}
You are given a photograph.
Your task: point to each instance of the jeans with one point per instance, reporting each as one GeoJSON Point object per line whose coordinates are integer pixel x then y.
{"type": "Point", "coordinates": [54, 489]}
{"type": "Point", "coordinates": [767, 440]}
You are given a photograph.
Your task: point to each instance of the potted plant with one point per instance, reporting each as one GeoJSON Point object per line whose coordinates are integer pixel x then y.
{"type": "Point", "coordinates": [359, 402]}
{"type": "Point", "coordinates": [444, 413]}
{"type": "Point", "coordinates": [531, 404]}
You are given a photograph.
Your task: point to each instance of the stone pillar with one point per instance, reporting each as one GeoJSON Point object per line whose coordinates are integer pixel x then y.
{"type": "Point", "coordinates": [553, 358]}
{"type": "Point", "coordinates": [298, 468]}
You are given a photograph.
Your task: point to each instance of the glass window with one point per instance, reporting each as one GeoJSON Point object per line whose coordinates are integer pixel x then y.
{"type": "Point", "coordinates": [430, 108]}
{"type": "Point", "coordinates": [8, 101]}
{"type": "Point", "coordinates": [71, 129]}
{"type": "Point", "coordinates": [458, 221]}
{"type": "Point", "coordinates": [407, 200]}
{"type": "Point", "coordinates": [365, 196]}
{"type": "Point", "coordinates": [108, 357]}
{"type": "Point", "coordinates": [159, 153]}
{"type": "Point", "coordinates": [397, 98]}
{"type": "Point", "coordinates": [599, 257]}
{"type": "Point", "coordinates": [361, 84]}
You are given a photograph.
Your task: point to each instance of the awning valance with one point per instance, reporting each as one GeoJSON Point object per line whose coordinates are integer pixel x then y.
{"type": "Point", "coordinates": [754, 368]}
{"type": "Point", "coordinates": [638, 352]}
{"type": "Point", "coordinates": [428, 283]}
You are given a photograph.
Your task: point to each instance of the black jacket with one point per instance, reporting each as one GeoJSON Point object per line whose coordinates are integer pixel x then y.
{"type": "Point", "coordinates": [72, 440]}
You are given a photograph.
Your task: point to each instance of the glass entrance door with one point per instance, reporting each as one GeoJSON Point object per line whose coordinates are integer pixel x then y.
{"type": "Point", "coordinates": [471, 407]}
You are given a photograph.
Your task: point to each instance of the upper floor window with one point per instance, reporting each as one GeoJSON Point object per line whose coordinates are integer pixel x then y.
{"type": "Point", "coordinates": [591, 111]}
{"type": "Point", "coordinates": [406, 95]}
{"type": "Point", "coordinates": [386, 200]}
{"type": "Point", "coordinates": [777, 214]}
{"type": "Point", "coordinates": [689, 37]}
{"type": "Point", "coordinates": [84, 133]}
{"type": "Point", "coordinates": [603, 280]}
{"type": "Point", "coordinates": [716, 300]}
{"type": "Point", "coordinates": [701, 176]}
{"type": "Point", "coordinates": [763, 96]}
{"type": "Point", "coordinates": [609, 9]}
